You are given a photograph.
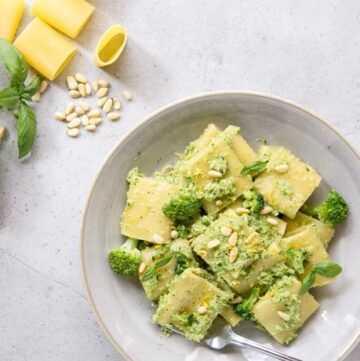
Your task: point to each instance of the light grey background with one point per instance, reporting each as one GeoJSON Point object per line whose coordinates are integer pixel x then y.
{"type": "Point", "coordinates": [307, 51]}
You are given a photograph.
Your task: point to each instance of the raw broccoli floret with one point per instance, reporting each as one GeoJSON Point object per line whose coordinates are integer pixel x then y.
{"type": "Point", "coordinates": [332, 211]}
{"type": "Point", "coordinates": [182, 207]}
{"type": "Point", "coordinates": [253, 200]}
{"type": "Point", "coordinates": [125, 260]}
{"type": "Point", "coordinates": [244, 309]}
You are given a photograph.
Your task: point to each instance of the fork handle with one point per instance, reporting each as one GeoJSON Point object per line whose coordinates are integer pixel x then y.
{"type": "Point", "coordinates": [244, 342]}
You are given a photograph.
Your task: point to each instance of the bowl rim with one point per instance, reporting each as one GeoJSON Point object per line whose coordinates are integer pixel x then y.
{"type": "Point", "coordinates": [99, 171]}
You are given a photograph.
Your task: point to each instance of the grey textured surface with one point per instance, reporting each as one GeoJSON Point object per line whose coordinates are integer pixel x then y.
{"type": "Point", "coordinates": [305, 51]}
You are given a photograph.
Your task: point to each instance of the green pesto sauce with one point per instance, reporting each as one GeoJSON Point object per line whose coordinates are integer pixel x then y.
{"type": "Point", "coordinates": [218, 189]}
{"type": "Point", "coordinates": [220, 164]}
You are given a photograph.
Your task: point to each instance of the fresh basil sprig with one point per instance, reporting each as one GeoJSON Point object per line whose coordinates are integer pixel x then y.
{"type": "Point", "coordinates": [18, 95]}
{"type": "Point", "coordinates": [325, 269]}
{"type": "Point", "coordinates": [254, 168]}
{"type": "Point", "coordinates": [151, 271]}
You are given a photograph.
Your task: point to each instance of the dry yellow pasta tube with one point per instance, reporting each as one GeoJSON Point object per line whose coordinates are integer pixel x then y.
{"type": "Point", "coordinates": [67, 16]}
{"type": "Point", "coordinates": [11, 12]}
{"type": "Point", "coordinates": [45, 49]}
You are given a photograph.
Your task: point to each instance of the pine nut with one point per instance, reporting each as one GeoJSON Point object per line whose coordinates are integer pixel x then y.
{"type": "Point", "coordinates": [95, 121]}
{"type": "Point", "coordinates": [71, 82]}
{"type": "Point", "coordinates": [157, 238]}
{"type": "Point", "coordinates": [108, 105]}
{"type": "Point", "coordinates": [233, 254]}
{"type": "Point", "coordinates": [59, 116]}
{"type": "Point", "coordinates": [100, 103]}
{"type": "Point", "coordinates": [117, 104]}
{"type": "Point", "coordinates": [2, 133]}
{"type": "Point", "coordinates": [85, 106]}
{"type": "Point", "coordinates": [202, 310]}
{"type": "Point", "coordinates": [84, 120]}
{"type": "Point", "coordinates": [240, 210]}
{"type": "Point", "coordinates": [283, 315]}
{"type": "Point", "coordinates": [69, 108]}
{"type": "Point", "coordinates": [282, 168]}
{"type": "Point", "coordinates": [232, 241]}
{"type": "Point", "coordinates": [103, 83]}
{"type": "Point", "coordinates": [214, 174]}
{"type": "Point", "coordinates": [102, 92]}
{"type": "Point", "coordinates": [271, 220]}
{"type": "Point", "coordinates": [266, 210]}
{"type": "Point", "coordinates": [95, 85]}
{"type": "Point", "coordinates": [73, 132]}
{"type": "Point", "coordinates": [94, 113]}
{"type": "Point", "coordinates": [91, 128]}
{"type": "Point", "coordinates": [142, 267]}
{"type": "Point", "coordinates": [79, 110]}
{"type": "Point", "coordinates": [218, 202]}
{"type": "Point", "coordinates": [212, 244]}
{"type": "Point", "coordinates": [71, 116]}
{"type": "Point", "coordinates": [88, 89]}
{"type": "Point", "coordinates": [174, 234]}
{"type": "Point", "coordinates": [236, 300]}
{"type": "Point", "coordinates": [36, 97]}
{"type": "Point", "coordinates": [82, 90]}
{"type": "Point", "coordinates": [43, 86]}
{"type": "Point", "coordinates": [74, 94]}
{"type": "Point", "coordinates": [114, 116]}
{"type": "Point", "coordinates": [80, 78]}
{"type": "Point", "coordinates": [74, 123]}
{"type": "Point", "coordinates": [127, 95]}
{"type": "Point", "coordinates": [225, 231]}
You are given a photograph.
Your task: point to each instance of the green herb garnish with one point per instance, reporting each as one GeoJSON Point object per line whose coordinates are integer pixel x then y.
{"type": "Point", "coordinates": [254, 168]}
{"type": "Point", "coordinates": [151, 271]}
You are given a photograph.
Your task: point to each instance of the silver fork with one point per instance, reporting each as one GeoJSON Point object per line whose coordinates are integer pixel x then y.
{"type": "Point", "coordinates": [223, 335]}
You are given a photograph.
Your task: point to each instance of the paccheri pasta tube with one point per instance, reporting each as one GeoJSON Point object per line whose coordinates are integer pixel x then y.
{"type": "Point", "coordinates": [45, 49]}
{"type": "Point", "coordinates": [11, 13]}
{"type": "Point", "coordinates": [67, 16]}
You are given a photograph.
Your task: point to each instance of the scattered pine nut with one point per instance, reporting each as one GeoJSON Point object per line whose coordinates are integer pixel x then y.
{"type": "Point", "coordinates": [91, 128]}
{"type": "Point", "coordinates": [102, 92]}
{"type": "Point", "coordinates": [214, 174]}
{"type": "Point", "coordinates": [282, 168]}
{"type": "Point", "coordinates": [88, 89]}
{"type": "Point", "coordinates": [73, 132]}
{"type": "Point", "coordinates": [74, 123]}
{"type": "Point", "coordinates": [142, 267]}
{"type": "Point", "coordinates": [95, 121]}
{"type": "Point", "coordinates": [113, 116]}
{"type": "Point", "coordinates": [272, 220]}
{"type": "Point", "coordinates": [36, 97]}
{"type": "Point", "coordinates": [233, 254]}
{"type": "Point", "coordinates": [232, 241]}
{"type": "Point", "coordinates": [219, 202]}
{"type": "Point", "coordinates": [60, 116]}
{"type": "Point", "coordinates": [80, 78]}
{"type": "Point", "coordinates": [94, 113]}
{"type": "Point", "coordinates": [84, 120]}
{"type": "Point", "coordinates": [108, 105]}
{"type": "Point", "coordinates": [202, 310]}
{"type": "Point", "coordinates": [95, 85]}
{"type": "Point", "coordinates": [71, 116]}
{"type": "Point", "coordinates": [236, 300]}
{"type": "Point", "coordinates": [174, 234]}
{"type": "Point", "coordinates": [212, 244]}
{"type": "Point", "coordinates": [117, 104]}
{"type": "Point", "coordinates": [74, 94]}
{"type": "Point", "coordinates": [71, 82]}
{"type": "Point", "coordinates": [103, 83]}
{"type": "Point", "coordinates": [43, 86]}
{"type": "Point", "coordinates": [240, 210]}
{"type": "Point", "coordinates": [82, 90]}
{"type": "Point", "coordinates": [85, 106]}
{"type": "Point", "coordinates": [69, 108]}
{"type": "Point", "coordinates": [100, 103]}
{"type": "Point", "coordinates": [127, 95]}
{"type": "Point", "coordinates": [225, 231]}
{"type": "Point", "coordinates": [79, 110]}
{"type": "Point", "coordinates": [283, 315]}
{"type": "Point", "coordinates": [266, 210]}
{"type": "Point", "coordinates": [2, 133]}
{"type": "Point", "coordinates": [157, 238]}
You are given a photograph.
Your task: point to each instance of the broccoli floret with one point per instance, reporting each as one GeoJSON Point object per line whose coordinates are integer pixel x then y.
{"type": "Point", "coordinates": [253, 200]}
{"type": "Point", "coordinates": [182, 263]}
{"type": "Point", "coordinates": [182, 207]}
{"type": "Point", "coordinates": [125, 260]}
{"type": "Point", "coordinates": [332, 211]}
{"type": "Point", "coordinates": [244, 309]}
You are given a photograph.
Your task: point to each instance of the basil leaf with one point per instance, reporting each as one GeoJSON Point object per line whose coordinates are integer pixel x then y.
{"type": "Point", "coordinates": [327, 269]}
{"type": "Point", "coordinates": [9, 98]}
{"type": "Point", "coordinates": [151, 271]}
{"type": "Point", "coordinates": [26, 128]}
{"type": "Point", "coordinates": [307, 282]}
{"type": "Point", "coordinates": [13, 62]}
{"type": "Point", "coordinates": [255, 168]}
{"type": "Point", "coordinates": [33, 87]}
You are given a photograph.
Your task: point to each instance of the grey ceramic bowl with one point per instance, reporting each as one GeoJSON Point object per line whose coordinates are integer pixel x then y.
{"type": "Point", "coordinates": [119, 304]}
